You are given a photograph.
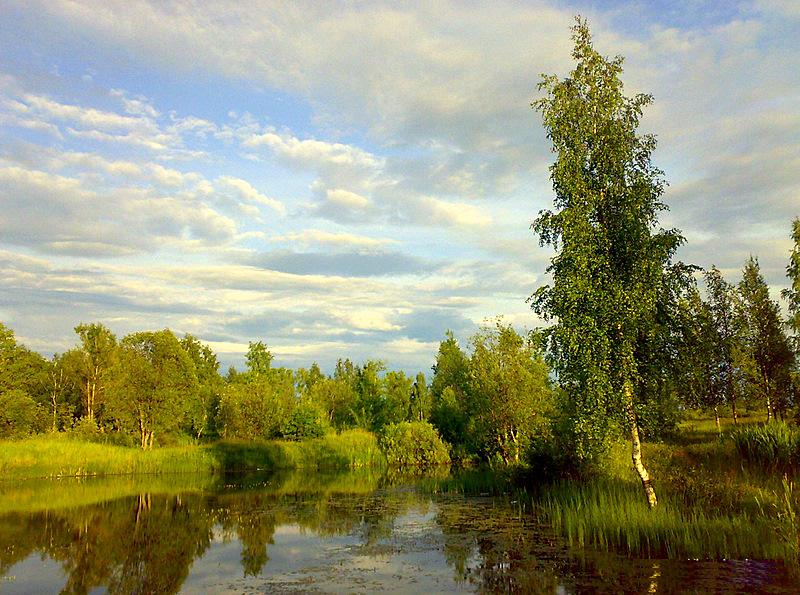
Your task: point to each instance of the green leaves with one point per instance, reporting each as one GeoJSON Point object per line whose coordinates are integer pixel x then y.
{"type": "Point", "coordinates": [608, 273]}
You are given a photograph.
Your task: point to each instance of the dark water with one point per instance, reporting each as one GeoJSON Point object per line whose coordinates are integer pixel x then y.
{"type": "Point", "coordinates": [300, 532]}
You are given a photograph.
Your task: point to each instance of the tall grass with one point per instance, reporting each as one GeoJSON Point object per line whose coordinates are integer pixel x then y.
{"type": "Point", "coordinates": [775, 445]}
{"type": "Point", "coordinates": [57, 456]}
{"type": "Point", "coordinates": [610, 514]}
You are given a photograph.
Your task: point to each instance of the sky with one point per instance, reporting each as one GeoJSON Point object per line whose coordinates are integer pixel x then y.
{"type": "Point", "coordinates": [352, 179]}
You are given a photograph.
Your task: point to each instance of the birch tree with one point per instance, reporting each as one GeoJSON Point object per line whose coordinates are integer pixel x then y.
{"type": "Point", "coordinates": [610, 255]}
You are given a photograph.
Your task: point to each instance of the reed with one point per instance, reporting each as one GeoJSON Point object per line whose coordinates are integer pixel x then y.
{"type": "Point", "coordinates": [772, 446]}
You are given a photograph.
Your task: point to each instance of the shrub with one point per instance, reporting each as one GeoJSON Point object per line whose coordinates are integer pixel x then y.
{"type": "Point", "coordinates": [302, 424]}
{"type": "Point", "coordinates": [413, 444]}
{"type": "Point", "coordinates": [19, 414]}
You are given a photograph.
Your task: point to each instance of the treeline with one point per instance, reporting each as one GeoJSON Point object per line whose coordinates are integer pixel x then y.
{"type": "Point", "coordinates": [155, 388]}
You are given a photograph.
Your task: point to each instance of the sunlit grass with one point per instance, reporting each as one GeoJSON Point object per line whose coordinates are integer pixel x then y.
{"type": "Point", "coordinates": [56, 456]}
{"type": "Point", "coordinates": [609, 514]}
{"type": "Point", "coordinates": [775, 445]}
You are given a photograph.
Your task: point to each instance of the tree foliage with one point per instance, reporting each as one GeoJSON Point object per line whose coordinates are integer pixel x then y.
{"type": "Point", "coordinates": [610, 261]}
{"type": "Point", "coordinates": [153, 383]}
{"type": "Point", "coordinates": [766, 342]}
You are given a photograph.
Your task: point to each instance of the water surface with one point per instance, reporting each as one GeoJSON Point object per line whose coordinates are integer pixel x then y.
{"type": "Point", "coordinates": [304, 532]}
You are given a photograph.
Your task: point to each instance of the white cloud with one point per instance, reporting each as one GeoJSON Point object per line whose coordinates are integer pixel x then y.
{"type": "Point", "coordinates": [245, 190]}
{"type": "Point", "coordinates": [333, 239]}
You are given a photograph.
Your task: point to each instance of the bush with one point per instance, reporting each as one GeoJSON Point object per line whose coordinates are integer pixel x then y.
{"type": "Point", "coordinates": [19, 414]}
{"type": "Point", "coordinates": [86, 430]}
{"type": "Point", "coordinates": [413, 444]}
{"type": "Point", "coordinates": [302, 424]}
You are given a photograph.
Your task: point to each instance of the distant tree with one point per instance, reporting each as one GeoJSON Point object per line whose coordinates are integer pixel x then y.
{"type": "Point", "coordinates": [307, 379]}
{"type": "Point", "coordinates": [397, 388]}
{"type": "Point", "coordinates": [259, 359]}
{"type": "Point", "coordinates": [370, 408]}
{"type": "Point", "coordinates": [19, 414]}
{"type": "Point", "coordinates": [151, 382]}
{"type": "Point", "coordinates": [92, 361]}
{"type": "Point", "coordinates": [421, 401]}
{"type": "Point", "coordinates": [64, 394]}
{"type": "Point", "coordinates": [697, 363]}
{"type": "Point", "coordinates": [728, 336]}
{"type": "Point", "coordinates": [609, 267]}
{"type": "Point", "coordinates": [450, 408]}
{"type": "Point", "coordinates": [200, 411]}
{"type": "Point", "coordinates": [20, 368]}
{"type": "Point", "coordinates": [766, 342]}
{"type": "Point", "coordinates": [512, 392]}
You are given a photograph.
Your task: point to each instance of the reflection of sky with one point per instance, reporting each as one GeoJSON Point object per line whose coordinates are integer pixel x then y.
{"type": "Point", "coordinates": [353, 181]}
{"type": "Point", "coordinates": [410, 559]}
{"type": "Point", "coordinates": [33, 575]}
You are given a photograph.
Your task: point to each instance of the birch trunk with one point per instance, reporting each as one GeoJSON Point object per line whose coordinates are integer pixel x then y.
{"type": "Point", "coordinates": [636, 449]}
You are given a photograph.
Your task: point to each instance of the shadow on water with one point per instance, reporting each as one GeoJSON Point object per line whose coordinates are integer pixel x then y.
{"type": "Point", "coordinates": [300, 532]}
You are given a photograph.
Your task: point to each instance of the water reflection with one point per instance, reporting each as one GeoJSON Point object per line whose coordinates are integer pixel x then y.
{"type": "Point", "coordinates": [302, 532]}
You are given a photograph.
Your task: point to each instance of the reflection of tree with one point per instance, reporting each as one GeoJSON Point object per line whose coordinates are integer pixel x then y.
{"type": "Point", "coordinates": [147, 544]}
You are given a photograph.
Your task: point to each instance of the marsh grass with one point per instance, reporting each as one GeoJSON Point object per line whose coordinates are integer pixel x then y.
{"type": "Point", "coordinates": [712, 503]}
{"type": "Point", "coordinates": [771, 446]}
{"type": "Point", "coordinates": [612, 514]}
{"type": "Point", "coordinates": [58, 456]}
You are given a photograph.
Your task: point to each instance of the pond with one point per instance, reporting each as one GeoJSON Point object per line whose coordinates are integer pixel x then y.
{"type": "Point", "coordinates": [305, 532]}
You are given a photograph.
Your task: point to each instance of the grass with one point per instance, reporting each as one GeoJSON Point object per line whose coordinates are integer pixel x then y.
{"type": "Point", "coordinates": [58, 456]}
{"type": "Point", "coordinates": [772, 446]}
{"type": "Point", "coordinates": [714, 501]}
{"type": "Point", "coordinates": [612, 514]}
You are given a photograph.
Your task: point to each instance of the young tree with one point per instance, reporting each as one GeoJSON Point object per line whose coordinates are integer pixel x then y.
{"type": "Point", "coordinates": [397, 390]}
{"type": "Point", "coordinates": [93, 360]}
{"type": "Point", "coordinates": [512, 392]}
{"type": "Point", "coordinates": [696, 360]}
{"type": "Point", "coordinates": [152, 380]}
{"type": "Point", "coordinates": [199, 411]}
{"type": "Point", "coordinates": [727, 340]}
{"type": "Point", "coordinates": [449, 392]}
{"type": "Point", "coordinates": [259, 359]}
{"type": "Point", "coordinates": [766, 342]}
{"type": "Point", "coordinates": [610, 259]}
{"type": "Point", "coordinates": [420, 399]}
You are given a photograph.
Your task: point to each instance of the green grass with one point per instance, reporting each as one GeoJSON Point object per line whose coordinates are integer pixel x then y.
{"type": "Point", "coordinates": [612, 514]}
{"type": "Point", "coordinates": [773, 446]}
{"type": "Point", "coordinates": [58, 456]}
{"type": "Point", "coordinates": [714, 501]}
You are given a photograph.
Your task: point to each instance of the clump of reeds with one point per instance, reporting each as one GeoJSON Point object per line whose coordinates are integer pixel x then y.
{"type": "Point", "coordinates": [774, 445]}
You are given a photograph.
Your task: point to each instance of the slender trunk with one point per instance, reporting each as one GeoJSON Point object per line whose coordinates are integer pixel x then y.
{"type": "Point", "coordinates": [769, 409]}
{"type": "Point", "coordinates": [54, 398]}
{"type": "Point", "coordinates": [636, 449]}
{"type": "Point", "coordinates": [716, 418]}
{"type": "Point", "coordinates": [732, 397]}
{"type": "Point", "coordinates": [142, 433]}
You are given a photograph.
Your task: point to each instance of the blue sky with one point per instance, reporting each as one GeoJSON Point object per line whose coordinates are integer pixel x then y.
{"type": "Point", "coordinates": [352, 179]}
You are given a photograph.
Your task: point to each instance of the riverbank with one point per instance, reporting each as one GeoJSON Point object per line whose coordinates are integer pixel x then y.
{"type": "Point", "coordinates": [60, 456]}
{"type": "Point", "coordinates": [713, 504]}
